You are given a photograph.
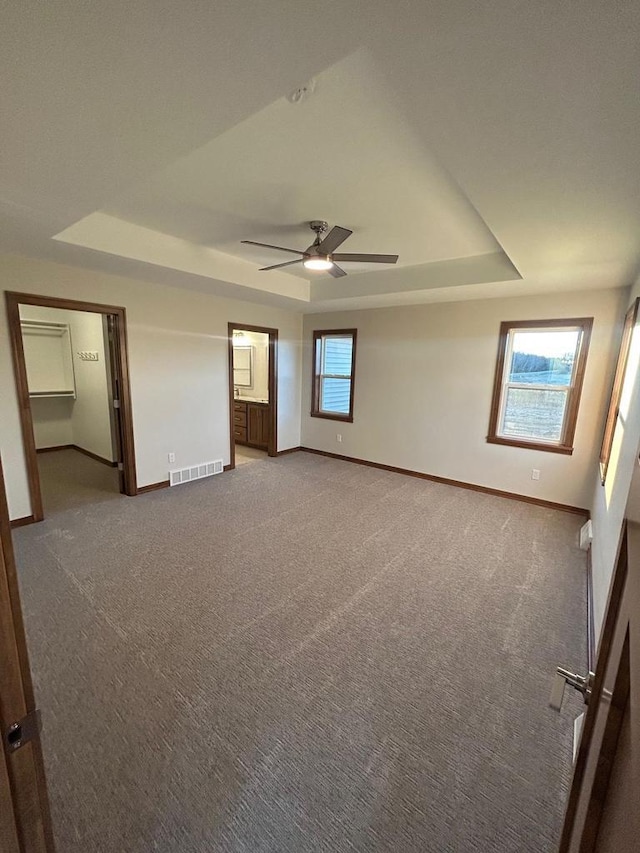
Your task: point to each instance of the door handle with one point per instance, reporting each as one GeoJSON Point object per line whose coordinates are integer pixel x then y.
{"type": "Point", "coordinates": [582, 683]}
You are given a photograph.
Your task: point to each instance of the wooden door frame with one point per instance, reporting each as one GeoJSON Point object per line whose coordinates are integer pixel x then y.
{"type": "Point", "coordinates": [272, 448]}
{"type": "Point", "coordinates": [13, 302]}
{"type": "Point", "coordinates": [25, 819]}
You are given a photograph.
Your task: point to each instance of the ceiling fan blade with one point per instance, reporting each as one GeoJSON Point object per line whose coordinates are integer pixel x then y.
{"type": "Point", "coordinates": [336, 272]}
{"type": "Point", "coordinates": [269, 246]}
{"type": "Point", "coordinates": [367, 259]}
{"type": "Point", "coordinates": [334, 238]}
{"type": "Point", "coordinates": [285, 264]}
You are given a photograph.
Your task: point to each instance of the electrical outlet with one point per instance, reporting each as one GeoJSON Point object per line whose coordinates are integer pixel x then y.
{"type": "Point", "coordinates": [172, 457]}
{"type": "Point", "coordinates": [338, 437]}
{"type": "Point", "coordinates": [535, 473]}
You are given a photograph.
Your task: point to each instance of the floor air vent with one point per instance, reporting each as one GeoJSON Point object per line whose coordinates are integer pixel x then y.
{"type": "Point", "coordinates": [195, 472]}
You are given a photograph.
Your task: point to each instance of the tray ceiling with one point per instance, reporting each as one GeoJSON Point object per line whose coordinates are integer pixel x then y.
{"type": "Point", "coordinates": [494, 149]}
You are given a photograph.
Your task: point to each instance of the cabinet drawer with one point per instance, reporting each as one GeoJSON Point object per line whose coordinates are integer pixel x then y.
{"type": "Point", "coordinates": [239, 407]}
{"type": "Point", "coordinates": [240, 433]}
{"type": "Point", "coordinates": [240, 418]}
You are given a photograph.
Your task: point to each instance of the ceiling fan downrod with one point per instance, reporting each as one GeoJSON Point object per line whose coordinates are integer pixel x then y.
{"type": "Point", "coordinates": [320, 227]}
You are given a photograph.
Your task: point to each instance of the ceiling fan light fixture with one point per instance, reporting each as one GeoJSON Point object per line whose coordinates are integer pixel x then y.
{"type": "Point", "coordinates": [317, 263]}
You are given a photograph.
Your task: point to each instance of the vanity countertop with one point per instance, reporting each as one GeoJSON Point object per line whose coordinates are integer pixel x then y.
{"type": "Point", "coordinates": [250, 400]}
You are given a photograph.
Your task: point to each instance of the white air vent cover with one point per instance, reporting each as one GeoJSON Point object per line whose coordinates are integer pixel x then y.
{"type": "Point", "coordinates": [195, 472]}
{"type": "Point", "coordinates": [586, 535]}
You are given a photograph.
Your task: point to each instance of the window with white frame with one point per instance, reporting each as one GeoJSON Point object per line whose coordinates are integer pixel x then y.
{"type": "Point", "coordinates": [333, 374]}
{"type": "Point", "coordinates": [538, 381]}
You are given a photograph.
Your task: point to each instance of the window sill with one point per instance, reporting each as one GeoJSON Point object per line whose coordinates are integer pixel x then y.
{"type": "Point", "coordinates": [333, 417]}
{"type": "Point", "coordinates": [530, 445]}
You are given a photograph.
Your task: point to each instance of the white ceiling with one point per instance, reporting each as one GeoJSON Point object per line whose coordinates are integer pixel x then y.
{"type": "Point", "coordinates": [346, 155]}
{"type": "Point", "coordinates": [495, 149]}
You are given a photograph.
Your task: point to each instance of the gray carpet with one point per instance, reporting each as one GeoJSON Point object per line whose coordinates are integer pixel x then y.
{"type": "Point", "coordinates": [304, 655]}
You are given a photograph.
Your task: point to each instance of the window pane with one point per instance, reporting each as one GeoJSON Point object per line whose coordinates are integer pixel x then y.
{"type": "Point", "coordinates": [334, 395]}
{"type": "Point", "coordinates": [337, 355]}
{"type": "Point", "coordinates": [534, 413]}
{"type": "Point", "coordinates": [543, 357]}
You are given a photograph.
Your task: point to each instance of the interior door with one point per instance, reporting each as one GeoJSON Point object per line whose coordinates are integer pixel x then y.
{"type": "Point", "coordinates": [604, 801]}
{"type": "Point", "coordinates": [9, 841]}
{"type": "Point", "coordinates": [25, 823]}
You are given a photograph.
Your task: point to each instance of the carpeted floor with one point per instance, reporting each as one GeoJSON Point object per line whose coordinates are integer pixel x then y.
{"type": "Point", "coordinates": [71, 480]}
{"type": "Point", "coordinates": [304, 655]}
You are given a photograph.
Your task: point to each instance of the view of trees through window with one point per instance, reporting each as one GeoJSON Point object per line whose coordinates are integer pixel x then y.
{"type": "Point", "coordinates": [528, 367]}
{"type": "Point", "coordinates": [538, 382]}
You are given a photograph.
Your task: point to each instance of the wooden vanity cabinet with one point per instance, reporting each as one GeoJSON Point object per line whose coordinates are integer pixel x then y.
{"type": "Point", "coordinates": [240, 421]}
{"type": "Point", "coordinates": [258, 425]}
{"type": "Point", "coordinates": [251, 423]}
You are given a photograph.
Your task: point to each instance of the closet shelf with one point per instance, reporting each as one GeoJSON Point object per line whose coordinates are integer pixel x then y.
{"type": "Point", "coordinates": [70, 393]}
{"type": "Point", "coordinates": [48, 358]}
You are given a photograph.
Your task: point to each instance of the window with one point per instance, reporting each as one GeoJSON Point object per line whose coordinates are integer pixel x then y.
{"type": "Point", "coordinates": [538, 380]}
{"type": "Point", "coordinates": [334, 354]}
{"type": "Point", "coordinates": [616, 391]}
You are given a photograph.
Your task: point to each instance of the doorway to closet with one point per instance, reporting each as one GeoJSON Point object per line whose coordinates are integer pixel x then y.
{"type": "Point", "coordinates": [71, 374]}
{"type": "Point", "coordinates": [252, 393]}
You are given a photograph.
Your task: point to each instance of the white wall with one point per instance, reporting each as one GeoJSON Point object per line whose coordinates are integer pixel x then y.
{"type": "Point", "coordinates": [52, 416]}
{"type": "Point", "coordinates": [52, 425]}
{"type": "Point", "coordinates": [91, 416]}
{"type": "Point", "coordinates": [88, 422]}
{"type": "Point", "coordinates": [178, 362]}
{"type": "Point", "coordinates": [424, 379]}
{"type": "Point", "coordinates": [609, 501]}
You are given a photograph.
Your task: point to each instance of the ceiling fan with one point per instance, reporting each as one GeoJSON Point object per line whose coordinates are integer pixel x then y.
{"type": "Point", "coordinates": [321, 254]}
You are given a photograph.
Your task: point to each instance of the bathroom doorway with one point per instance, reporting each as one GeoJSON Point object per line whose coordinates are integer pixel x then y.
{"type": "Point", "coordinates": [252, 393]}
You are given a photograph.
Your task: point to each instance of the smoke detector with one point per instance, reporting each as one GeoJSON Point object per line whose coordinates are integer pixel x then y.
{"type": "Point", "coordinates": [302, 92]}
